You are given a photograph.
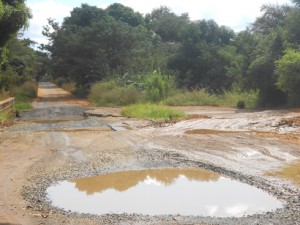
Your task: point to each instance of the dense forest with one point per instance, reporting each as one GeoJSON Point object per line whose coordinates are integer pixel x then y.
{"type": "Point", "coordinates": [157, 52]}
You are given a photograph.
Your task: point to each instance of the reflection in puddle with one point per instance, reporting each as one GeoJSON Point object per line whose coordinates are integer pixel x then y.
{"type": "Point", "coordinates": [161, 192]}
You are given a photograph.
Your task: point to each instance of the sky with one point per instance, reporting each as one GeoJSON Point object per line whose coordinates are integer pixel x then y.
{"type": "Point", "coordinates": [236, 14]}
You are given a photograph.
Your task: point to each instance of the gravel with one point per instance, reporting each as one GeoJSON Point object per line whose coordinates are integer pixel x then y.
{"type": "Point", "coordinates": [35, 189]}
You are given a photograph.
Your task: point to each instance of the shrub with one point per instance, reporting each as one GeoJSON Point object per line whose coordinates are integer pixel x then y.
{"type": "Point", "coordinates": [231, 98]}
{"type": "Point", "coordinates": [60, 81]}
{"type": "Point", "coordinates": [5, 118]}
{"type": "Point", "coordinates": [111, 94]}
{"type": "Point", "coordinates": [25, 92]}
{"type": "Point", "coordinates": [81, 91]}
{"type": "Point", "coordinates": [69, 87]}
{"type": "Point", "coordinates": [199, 97]}
{"type": "Point", "coordinates": [202, 97]}
{"type": "Point", "coordinates": [158, 87]}
{"type": "Point", "coordinates": [152, 111]}
{"type": "Point", "coordinates": [240, 105]}
{"type": "Point", "coordinates": [288, 69]}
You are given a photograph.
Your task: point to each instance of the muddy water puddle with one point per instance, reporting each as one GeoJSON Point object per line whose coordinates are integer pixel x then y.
{"type": "Point", "coordinates": [161, 192]}
{"type": "Point", "coordinates": [291, 172]}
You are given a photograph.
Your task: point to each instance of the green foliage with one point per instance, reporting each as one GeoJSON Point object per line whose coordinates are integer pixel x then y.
{"type": "Point", "coordinates": [166, 23]}
{"type": "Point", "coordinates": [231, 98]}
{"type": "Point", "coordinates": [94, 45]}
{"type": "Point", "coordinates": [125, 14]}
{"type": "Point", "coordinates": [111, 94]}
{"type": "Point", "coordinates": [69, 87]}
{"type": "Point", "coordinates": [25, 92]}
{"type": "Point", "coordinates": [288, 69]}
{"type": "Point", "coordinates": [152, 111]}
{"type": "Point", "coordinates": [195, 97]}
{"type": "Point", "coordinates": [240, 105]}
{"type": "Point", "coordinates": [14, 15]}
{"type": "Point", "coordinates": [158, 87]}
{"type": "Point", "coordinates": [5, 118]}
{"type": "Point", "coordinates": [91, 45]}
{"type": "Point", "coordinates": [21, 105]}
{"type": "Point", "coordinates": [199, 61]}
{"type": "Point", "coordinates": [202, 97]}
{"type": "Point", "coordinates": [60, 81]}
{"type": "Point", "coordinates": [20, 65]}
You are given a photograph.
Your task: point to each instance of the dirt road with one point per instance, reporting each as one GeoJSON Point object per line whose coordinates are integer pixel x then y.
{"type": "Point", "coordinates": [55, 142]}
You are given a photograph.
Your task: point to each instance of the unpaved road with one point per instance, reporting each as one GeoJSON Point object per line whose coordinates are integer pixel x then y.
{"type": "Point", "coordinates": [55, 142]}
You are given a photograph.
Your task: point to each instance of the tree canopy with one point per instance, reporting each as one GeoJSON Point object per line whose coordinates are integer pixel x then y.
{"type": "Point", "coordinates": [95, 44]}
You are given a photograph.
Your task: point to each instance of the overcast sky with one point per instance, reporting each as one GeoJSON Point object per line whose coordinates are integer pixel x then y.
{"type": "Point", "coordinates": [237, 14]}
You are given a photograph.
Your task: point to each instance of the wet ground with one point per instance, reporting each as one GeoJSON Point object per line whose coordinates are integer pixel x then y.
{"type": "Point", "coordinates": [58, 142]}
{"type": "Point", "coordinates": [188, 192]}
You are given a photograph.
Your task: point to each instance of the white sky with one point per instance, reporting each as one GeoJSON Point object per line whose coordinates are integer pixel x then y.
{"type": "Point", "coordinates": [237, 14]}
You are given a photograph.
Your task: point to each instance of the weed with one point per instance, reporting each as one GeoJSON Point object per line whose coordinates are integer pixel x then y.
{"type": "Point", "coordinates": [111, 94]}
{"type": "Point", "coordinates": [152, 111]}
{"type": "Point", "coordinates": [5, 117]}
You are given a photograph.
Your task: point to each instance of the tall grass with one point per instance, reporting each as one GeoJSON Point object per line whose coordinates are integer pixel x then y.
{"type": "Point", "coordinates": [202, 97]}
{"type": "Point", "coordinates": [112, 94]}
{"type": "Point", "coordinates": [69, 87]}
{"type": "Point", "coordinates": [192, 98]}
{"type": "Point", "coordinates": [231, 99]}
{"type": "Point", "coordinates": [24, 94]}
{"type": "Point", "coordinates": [152, 111]}
{"type": "Point", "coordinates": [5, 118]}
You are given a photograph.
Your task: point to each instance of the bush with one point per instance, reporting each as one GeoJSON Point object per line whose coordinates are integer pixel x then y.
{"type": "Point", "coordinates": [60, 81]}
{"type": "Point", "coordinates": [288, 69]}
{"type": "Point", "coordinates": [158, 87]}
{"type": "Point", "coordinates": [111, 94]}
{"type": "Point", "coordinates": [231, 98]}
{"type": "Point", "coordinates": [202, 97]}
{"type": "Point", "coordinates": [81, 92]}
{"type": "Point", "coordinates": [25, 92]}
{"type": "Point", "coordinates": [199, 97]}
{"type": "Point", "coordinates": [69, 87]}
{"type": "Point", "coordinates": [240, 105]}
{"type": "Point", "coordinates": [5, 118]}
{"type": "Point", "coordinates": [152, 111]}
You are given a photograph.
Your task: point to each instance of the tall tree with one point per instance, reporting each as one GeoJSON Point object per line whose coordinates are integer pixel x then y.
{"type": "Point", "coordinates": [14, 15]}
{"type": "Point", "coordinates": [91, 45]}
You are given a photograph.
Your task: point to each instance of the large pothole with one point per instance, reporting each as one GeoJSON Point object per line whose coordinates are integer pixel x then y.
{"type": "Point", "coordinates": [193, 192]}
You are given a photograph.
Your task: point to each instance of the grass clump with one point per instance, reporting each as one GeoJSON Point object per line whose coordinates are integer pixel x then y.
{"type": "Point", "coordinates": [69, 86]}
{"type": "Point", "coordinates": [5, 118]}
{"type": "Point", "coordinates": [202, 97]}
{"type": "Point", "coordinates": [238, 99]}
{"type": "Point", "coordinates": [152, 111]}
{"type": "Point", "coordinates": [24, 94]}
{"type": "Point", "coordinates": [111, 94]}
{"type": "Point", "coordinates": [18, 106]}
{"type": "Point", "coordinates": [199, 97]}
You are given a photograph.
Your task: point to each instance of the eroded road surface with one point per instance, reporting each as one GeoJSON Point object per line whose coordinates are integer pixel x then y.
{"type": "Point", "coordinates": [61, 140]}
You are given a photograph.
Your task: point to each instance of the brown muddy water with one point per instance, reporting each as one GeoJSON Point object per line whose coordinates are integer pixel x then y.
{"type": "Point", "coordinates": [291, 172]}
{"type": "Point", "coordinates": [192, 192]}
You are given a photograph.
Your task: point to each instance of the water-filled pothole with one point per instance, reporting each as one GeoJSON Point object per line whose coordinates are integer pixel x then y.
{"type": "Point", "coordinates": [161, 192]}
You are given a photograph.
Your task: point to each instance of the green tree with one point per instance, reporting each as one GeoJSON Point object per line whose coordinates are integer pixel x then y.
{"type": "Point", "coordinates": [125, 14]}
{"type": "Point", "coordinates": [166, 23]}
{"type": "Point", "coordinates": [14, 15]}
{"type": "Point", "coordinates": [198, 60]}
{"type": "Point", "coordinates": [288, 69]}
{"type": "Point", "coordinates": [91, 45]}
{"type": "Point", "coordinates": [20, 65]}
{"type": "Point", "coordinates": [272, 17]}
